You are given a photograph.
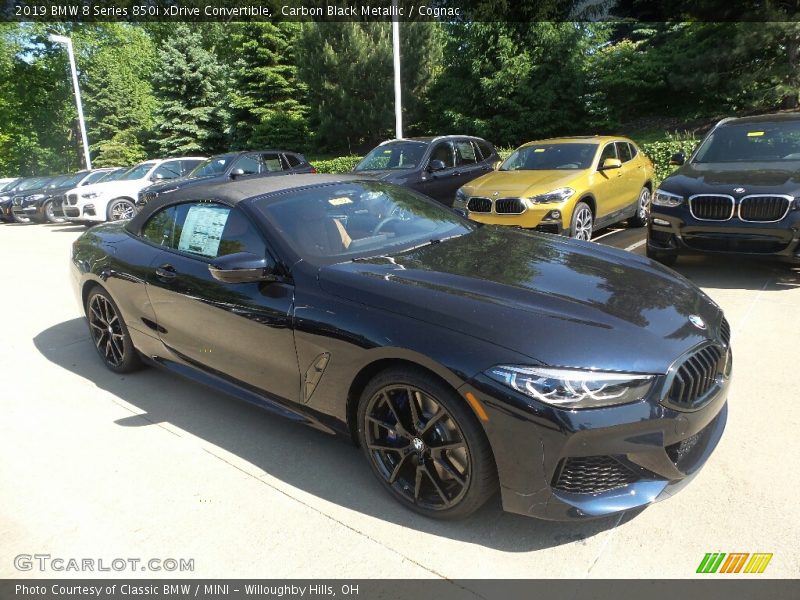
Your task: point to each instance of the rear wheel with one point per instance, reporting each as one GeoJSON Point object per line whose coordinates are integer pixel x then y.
{"type": "Point", "coordinates": [109, 333]}
{"type": "Point", "coordinates": [121, 209]}
{"type": "Point", "coordinates": [642, 215]}
{"type": "Point", "coordinates": [582, 222]}
{"type": "Point", "coordinates": [424, 445]}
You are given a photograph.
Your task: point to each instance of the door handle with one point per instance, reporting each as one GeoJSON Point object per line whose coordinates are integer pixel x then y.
{"type": "Point", "coordinates": [166, 273]}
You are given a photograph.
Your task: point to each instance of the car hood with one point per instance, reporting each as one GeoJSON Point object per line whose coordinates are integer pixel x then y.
{"type": "Point", "coordinates": [520, 184]}
{"type": "Point", "coordinates": [113, 188]}
{"type": "Point", "coordinates": [383, 175]}
{"type": "Point", "coordinates": [172, 184]}
{"type": "Point", "coordinates": [726, 178]}
{"type": "Point", "coordinates": [556, 301]}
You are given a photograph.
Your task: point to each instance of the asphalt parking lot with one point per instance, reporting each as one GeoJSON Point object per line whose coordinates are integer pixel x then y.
{"type": "Point", "coordinates": [102, 466]}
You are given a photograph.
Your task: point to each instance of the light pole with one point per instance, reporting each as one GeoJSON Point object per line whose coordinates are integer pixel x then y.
{"type": "Point", "coordinates": [398, 102]}
{"type": "Point", "coordinates": [60, 39]}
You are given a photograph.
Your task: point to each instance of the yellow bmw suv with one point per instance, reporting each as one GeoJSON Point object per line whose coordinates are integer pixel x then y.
{"type": "Point", "coordinates": [570, 186]}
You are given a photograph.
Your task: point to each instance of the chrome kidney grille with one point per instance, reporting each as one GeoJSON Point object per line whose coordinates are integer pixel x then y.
{"type": "Point", "coordinates": [479, 205]}
{"type": "Point", "coordinates": [712, 207]}
{"type": "Point", "coordinates": [72, 199]}
{"type": "Point", "coordinates": [509, 206]}
{"type": "Point", "coordinates": [758, 208]}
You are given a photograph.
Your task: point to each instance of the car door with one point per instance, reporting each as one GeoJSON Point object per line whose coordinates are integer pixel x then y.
{"type": "Point", "coordinates": [606, 185]}
{"type": "Point", "coordinates": [469, 163]}
{"type": "Point", "coordinates": [631, 179]}
{"type": "Point", "coordinates": [440, 185]}
{"type": "Point", "coordinates": [240, 331]}
{"type": "Point", "coordinates": [247, 165]}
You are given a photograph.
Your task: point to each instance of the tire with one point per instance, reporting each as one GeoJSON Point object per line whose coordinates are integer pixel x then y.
{"type": "Point", "coordinates": [105, 319]}
{"type": "Point", "coordinates": [582, 222]}
{"type": "Point", "coordinates": [49, 217]}
{"type": "Point", "coordinates": [438, 464]}
{"type": "Point", "coordinates": [642, 216]}
{"type": "Point", "coordinates": [667, 259]}
{"type": "Point", "coordinates": [120, 210]}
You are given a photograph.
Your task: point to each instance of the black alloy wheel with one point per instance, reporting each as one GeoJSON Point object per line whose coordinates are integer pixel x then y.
{"type": "Point", "coordinates": [425, 445]}
{"type": "Point", "coordinates": [109, 333]}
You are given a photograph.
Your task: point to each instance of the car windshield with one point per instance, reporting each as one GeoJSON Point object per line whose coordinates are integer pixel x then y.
{"type": "Point", "coordinates": [33, 183]}
{"type": "Point", "coordinates": [349, 220]}
{"type": "Point", "coordinates": [9, 185]}
{"type": "Point", "coordinates": [95, 177]}
{"type": "Point", "coordinates": [394, 155]}
{"type": "Point", "coordinates": [114, 175]}
{"type": "Point", "coordinates": [549, 157]}
{"type": "Point", "coordinates": [68, 180]}
{"type": "Point", "coordinates": [215, 165]}
{"type": "Point", "coordinates": [138, 172]}
{"type": "Point", "coordinates": [770, 142]}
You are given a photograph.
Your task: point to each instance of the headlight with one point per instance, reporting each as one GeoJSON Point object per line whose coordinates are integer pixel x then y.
{"type": "Point", "coordinates": [34, 197]}
{"type": "Point", "coordinates": [90, 195]}
{"type": "Point", "coordinates": [5, 198]}
{"type": "Point", "coordinates": [662, 198]}
{"type": "Point", "coordinates": [568, 388]}
{"type": "Point", "coordinates": [558, 195]}
{"type": "Point", "coordinates": [461, 198]}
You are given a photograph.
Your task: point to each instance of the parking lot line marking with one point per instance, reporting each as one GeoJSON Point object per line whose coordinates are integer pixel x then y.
{"type": "Point", "coordinates": [600, 237]}
{"type": "Point", "coordinates": [636, 245]}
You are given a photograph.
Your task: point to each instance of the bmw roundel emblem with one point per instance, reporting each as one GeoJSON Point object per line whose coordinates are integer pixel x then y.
{"type": "Point", "coordinates": [738, 190]}
{"type": "Point", "coordinates": [697, 321]}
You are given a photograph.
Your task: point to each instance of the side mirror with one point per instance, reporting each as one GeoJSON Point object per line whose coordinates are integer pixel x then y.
{"type": "Point", "coordinates": [242, 267]}
{"type": "Point", "coordinates": [611, 163]}
{"type": "Point", "coordinates": [677, 159]}
{"type": "Point", "coordinates": [237, 173]}
{"type": "Point", "coordinates": [436, 165]}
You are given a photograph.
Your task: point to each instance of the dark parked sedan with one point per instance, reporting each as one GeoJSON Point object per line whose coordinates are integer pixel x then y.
{"type": "Point", "coordinates": [435, 166]}
{"type": "Point", "coordinates": [234, 165]}
{"type": "Point", "coordinates": [576, 379]}
{"type": "Point", "coordinates": [17, 194]}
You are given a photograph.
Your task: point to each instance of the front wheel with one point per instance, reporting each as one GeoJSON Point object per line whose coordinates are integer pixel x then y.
{"type": "Point", "coordinates": [425, 445]}
{"type": "Point", "coordinates": [121, 209]}
{"type": "Point", "coordinates": [582, 222]}
{"type": "Point", "coordinates": [642, 215]}
{"type": "Point", "coordinates": [49, 215]}
{"type": "Point", "coordinates": [109, 333]}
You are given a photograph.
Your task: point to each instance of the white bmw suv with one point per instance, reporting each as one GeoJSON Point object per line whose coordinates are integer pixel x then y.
{"type": "Point", "coordinates": [116, 200]}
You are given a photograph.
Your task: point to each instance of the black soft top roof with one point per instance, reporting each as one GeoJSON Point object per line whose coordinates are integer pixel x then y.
{"type": "Point", "coordinates": [233, 192]}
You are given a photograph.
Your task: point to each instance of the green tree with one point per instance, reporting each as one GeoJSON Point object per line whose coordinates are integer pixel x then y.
{"type": "Point", "coordinates": [267, 101]}
{"type": "Point", "coordinates": [190, 85]}
{"type": "Point", "coordinates": [118, 95]}
{"type": "Point", "coordinates": [348, 70]}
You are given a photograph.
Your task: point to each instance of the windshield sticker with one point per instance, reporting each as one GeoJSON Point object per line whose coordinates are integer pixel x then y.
{"type": "Point", "coordinates": [755, 133]}
{"type": "Point", "coordinates": [202, 229]}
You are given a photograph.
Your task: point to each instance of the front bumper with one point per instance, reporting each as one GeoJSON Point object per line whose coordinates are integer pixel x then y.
{"type": "Point", "coordinates": [30, 211]}
{"type": "Point", "coordinates": [673, 231]}
{"type": "Point", "coordinates": [537, 217]}
{"type": "Point", "coordinates": [634, 454]}
{"type": "Point", "coordinates": [83, 211]}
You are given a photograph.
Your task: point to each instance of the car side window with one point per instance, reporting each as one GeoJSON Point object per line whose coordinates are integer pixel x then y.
{"type": "Point", "coordinates": [443, 151]}
{"type": "Point", "coordinates": [624, 151]}
{"type": "Point", "coordinates": [465, 153]}
{"type": "Point", "coordinates": [487, 150]}
{"type": "Point", "coordinates": [168, 170]}
{"type": "Point", "coordinates": [272, 162]}
{"type": "Point", "coordinates": [293, 161]}
{"type": "Point", "coordinates": [608, 152]}
{"type": "Point", "coordinates": [206, 229]}
{"type": "Point", "coordinates": [633, 150]}
{"type": "Point", "coordinates": [248, 163]}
